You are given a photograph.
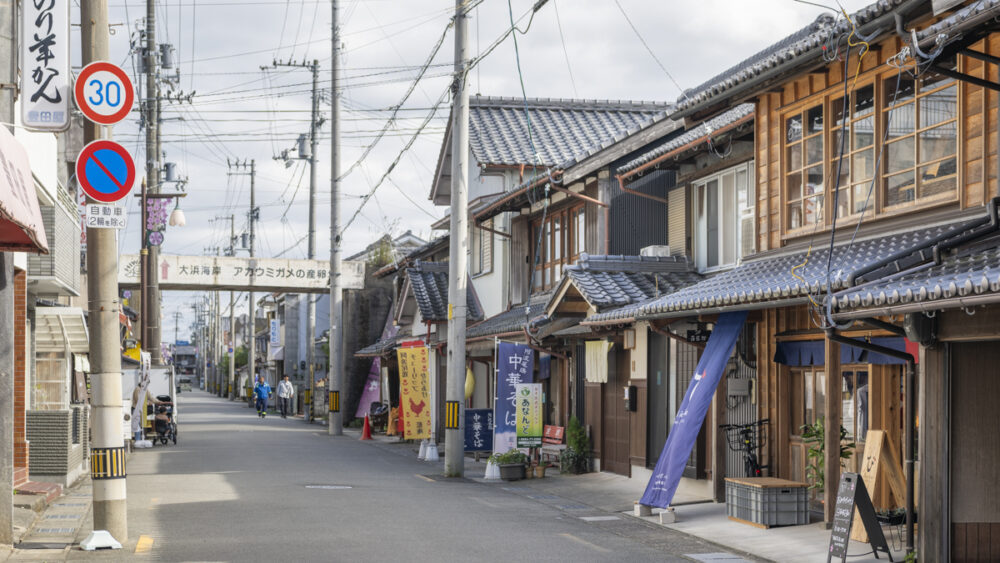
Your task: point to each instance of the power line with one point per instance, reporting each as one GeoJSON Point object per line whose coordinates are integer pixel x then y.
{"type": "Point", "coordinates": [562, 39]}
{"type": "Point", "coordinates": [646, 45]}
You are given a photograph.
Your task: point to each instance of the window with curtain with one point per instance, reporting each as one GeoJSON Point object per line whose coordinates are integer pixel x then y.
{"type": "Point", "coordinates": [722, 203]}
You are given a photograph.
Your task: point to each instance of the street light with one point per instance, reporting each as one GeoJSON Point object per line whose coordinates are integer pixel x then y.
{"type": "Point", "coordinates": [177, 215]}
{"type": "Point", "coordinates": [147, 274]}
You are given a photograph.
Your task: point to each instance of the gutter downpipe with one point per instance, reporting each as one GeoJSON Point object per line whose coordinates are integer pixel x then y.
{"type": "Point", "coordinates": [909, 430]}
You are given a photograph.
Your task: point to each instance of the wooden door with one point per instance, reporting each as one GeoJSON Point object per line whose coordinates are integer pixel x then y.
{"type": "Point", "coordinates": [975, 452]}
{"type": "Point", "coordinates": [615, 434]}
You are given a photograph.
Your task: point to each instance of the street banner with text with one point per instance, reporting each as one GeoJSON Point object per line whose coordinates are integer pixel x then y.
{"type": "Point", "coordinates": [529, 414]}
{"type": "Point", "coordinates": [414, 393]}
{"type": "Point", "coordinates": [478, 430]}
{"type": "Point", "coordinates": [515, 364]}
{"type": "Point", "coordinates": [241, 273]}
{"type": "Point", "coordinates": [691, 414]}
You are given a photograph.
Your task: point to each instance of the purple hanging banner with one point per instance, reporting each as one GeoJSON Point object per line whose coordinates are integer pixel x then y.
{"type": "Point", "coordinates": [516, 364]}
{"type": "Point", "coordinates": [667, 475]}
{"type": "Point", "coordinates": [372, 391]}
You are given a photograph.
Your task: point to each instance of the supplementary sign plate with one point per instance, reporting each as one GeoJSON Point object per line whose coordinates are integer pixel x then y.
{"type": "Point", "coordinates": [104, 216]}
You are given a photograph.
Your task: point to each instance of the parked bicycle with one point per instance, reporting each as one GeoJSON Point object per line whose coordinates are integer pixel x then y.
{"type": "Point", "coordinates": [748, 438]}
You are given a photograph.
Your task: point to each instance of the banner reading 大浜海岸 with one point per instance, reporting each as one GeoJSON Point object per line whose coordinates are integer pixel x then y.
{"type": "Point", "coordinates": [515, 364]}
{"type": "Point", "coordinates": [691, 414]}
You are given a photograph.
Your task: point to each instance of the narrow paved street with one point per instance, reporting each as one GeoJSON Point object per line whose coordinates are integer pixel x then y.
{"type": "Point", "coordinates": [237, 488]}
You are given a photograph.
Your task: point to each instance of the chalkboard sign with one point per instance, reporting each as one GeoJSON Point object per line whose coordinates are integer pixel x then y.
{"type": "Point", "coordinates": [852, 494]}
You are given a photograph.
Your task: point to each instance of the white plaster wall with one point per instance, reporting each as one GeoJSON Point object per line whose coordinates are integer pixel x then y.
{"type": "Point", "coordinates": [43, 154]}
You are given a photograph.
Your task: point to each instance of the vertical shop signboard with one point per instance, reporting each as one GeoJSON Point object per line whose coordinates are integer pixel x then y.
{"type": "Point", "coordinates": [515, 364]}
{"type": "Point", "coordinates": [415, 397]}
{"type": "Point", "coordinates": [478, 430]}
{"type": "Point", "coordinates": [529, 414]}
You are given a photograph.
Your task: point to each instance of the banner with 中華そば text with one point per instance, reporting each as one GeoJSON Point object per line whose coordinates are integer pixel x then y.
{"type": "Point", "coordinates": [515, 364]}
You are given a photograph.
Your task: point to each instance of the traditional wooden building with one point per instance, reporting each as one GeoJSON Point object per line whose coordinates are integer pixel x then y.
{"type": "Point", "coordinates": [875, 158]}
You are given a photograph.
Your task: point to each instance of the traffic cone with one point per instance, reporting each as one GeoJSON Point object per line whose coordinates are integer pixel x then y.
{"type": "Point", "coordinates": [366, 432]}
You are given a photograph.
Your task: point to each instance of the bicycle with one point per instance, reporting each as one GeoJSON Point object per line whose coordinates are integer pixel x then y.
{"type": "Point", "coordinates": [748, 438]}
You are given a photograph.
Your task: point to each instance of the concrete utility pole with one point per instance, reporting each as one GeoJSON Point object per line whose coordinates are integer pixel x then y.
{"type": "Point", "coordinates": [254, 212]}
{"type": "Point", "coordinates": [102, 294]}
{"type": "Point", "coordinates": [335, 424]}
{"type": "Point", "coordinates": [8, 75]}
{"type": "Point", "coordinates": [311, 253]}
{"type": "Point", "coordinates": [231, 386]}
{"type": "Point", "coordinates": [454, 453]}
{"type": "Point", "coordinates": [151, 289]}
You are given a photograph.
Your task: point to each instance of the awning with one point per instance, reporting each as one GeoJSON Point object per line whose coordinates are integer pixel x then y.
{"type": "Point", "coordinates": [966, 279]}
{"type": "Point", "coordinates": [790, 278]}
{"type": "Point", "coordinates": [812, 353]}
{"type": "Point", "coordinates": [21, 227]}
{"type": "Point", "coordinates": [60, 328]}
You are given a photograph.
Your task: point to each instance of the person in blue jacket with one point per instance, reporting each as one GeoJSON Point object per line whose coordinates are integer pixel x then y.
{"type": "Point", "coordinates": [261, 391]}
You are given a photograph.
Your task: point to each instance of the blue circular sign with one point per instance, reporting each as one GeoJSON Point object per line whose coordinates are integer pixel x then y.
{"type": "Point", "coordinates": [105, 171]}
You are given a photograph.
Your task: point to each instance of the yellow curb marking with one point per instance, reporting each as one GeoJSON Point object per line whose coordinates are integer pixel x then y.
{"type": "Point", "coordinates": [428, 479]}
{"type": "Point", "coordinates": [585, 542]}
{"type": "Point", "coordinates": [144, 544]}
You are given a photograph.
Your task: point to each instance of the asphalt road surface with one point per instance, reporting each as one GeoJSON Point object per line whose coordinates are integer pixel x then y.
{"type": "Point", "coordinates": [238, 488]}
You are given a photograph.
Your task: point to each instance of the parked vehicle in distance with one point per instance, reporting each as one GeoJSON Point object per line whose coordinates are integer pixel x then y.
{"type": "Point", "coordinates": [184, 384]}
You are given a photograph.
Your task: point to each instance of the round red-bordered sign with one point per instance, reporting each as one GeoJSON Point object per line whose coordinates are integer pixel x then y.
{"type": "Point", "coordinates": [105, 171]}
{"type": "Point", "coordinates": [104, 93]}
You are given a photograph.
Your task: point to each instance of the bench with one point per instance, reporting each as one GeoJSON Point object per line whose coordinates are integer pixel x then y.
{"type": "Point", "coordinates": [552, 442]}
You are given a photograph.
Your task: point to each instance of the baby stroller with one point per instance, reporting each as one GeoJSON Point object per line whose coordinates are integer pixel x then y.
{"type": "Point", "coordinates": [164, 426]}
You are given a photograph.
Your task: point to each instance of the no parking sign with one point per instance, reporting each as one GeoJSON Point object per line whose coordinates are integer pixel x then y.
{"type": "Point", "coordinates": [105, 171]}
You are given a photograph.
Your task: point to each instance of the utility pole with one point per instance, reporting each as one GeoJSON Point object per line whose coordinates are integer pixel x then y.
{"type": "Point", "coordinates": [151, 289]}
{"type": "Point", "coordinates": [335, 425]}
{"type": "Point", "coordinates": [229, 384]}
{"type": "Point", "coordinates": [454, 454]}
{"type": "Point", "coordinates": [221, 388]}
{"type": "Point", "coordinates": [254, 212]}
{"type": "Point", "coordinates": [314, 126]}
{"type": "Point", "coordinates": [102, 293]}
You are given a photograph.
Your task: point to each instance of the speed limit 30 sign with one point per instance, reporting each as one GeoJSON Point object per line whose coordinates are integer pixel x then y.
{"type": "Point", "coordinates": [104, 93]}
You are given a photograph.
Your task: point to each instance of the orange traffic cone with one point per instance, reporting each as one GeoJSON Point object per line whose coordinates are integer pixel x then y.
{"type": "Point", "coordinates": [366, 432]}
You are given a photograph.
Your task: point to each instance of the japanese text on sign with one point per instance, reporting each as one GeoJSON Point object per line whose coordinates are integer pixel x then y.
{"type": "Point", "coordinates": [529, 414]}
{"type": "Point", "coordinates": [105, 216]}
{"type": "Point", "coordinates": [45, 60]}
{"type": "Point", "coordinates": [414, 392]}
{"type": "Point", "coordinates": [516, 364]}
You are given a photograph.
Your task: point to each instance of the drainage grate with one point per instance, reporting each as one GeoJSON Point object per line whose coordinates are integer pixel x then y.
{"type": "Point", "coordinates": [63, 516]}
{"type": "Point", "coordinates": [69, 504]}
{"type": "Point", "coordinates": [55, 530]}
{"type": "Point", "coordinates": [329, 487]}
{"type": "Point", "coordinates": [41, 545]}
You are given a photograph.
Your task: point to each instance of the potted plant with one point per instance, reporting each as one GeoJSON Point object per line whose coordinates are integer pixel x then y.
{"type": "Point", "coordinates": [512, 464]}
{"type": "Point", "coordinates": [540, 468]}
{"type": "Point", "coordinates": [576, 457]}
{"type": "Point", "coordinates": [814, 435]}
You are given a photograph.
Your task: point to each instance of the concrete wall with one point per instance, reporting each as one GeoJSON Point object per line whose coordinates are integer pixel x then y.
{"type": "Point", "coordinates": [365, 312]}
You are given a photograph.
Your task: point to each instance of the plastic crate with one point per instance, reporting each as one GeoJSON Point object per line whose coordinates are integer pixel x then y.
{"type": "Point", "coordinates": [767, 502]}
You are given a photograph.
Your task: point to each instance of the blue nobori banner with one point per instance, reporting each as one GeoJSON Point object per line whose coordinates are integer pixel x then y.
{"type": "Point", "coordinates": [687, 423]}
{"type": "Point", "coordinates": [515, 364]}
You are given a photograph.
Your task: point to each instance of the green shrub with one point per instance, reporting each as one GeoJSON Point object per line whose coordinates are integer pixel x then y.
{"type": "Point", "coordinates": [512, 456]}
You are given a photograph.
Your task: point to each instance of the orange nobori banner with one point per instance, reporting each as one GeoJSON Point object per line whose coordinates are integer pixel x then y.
{"type": "Point", "coordinates": [414, 393]}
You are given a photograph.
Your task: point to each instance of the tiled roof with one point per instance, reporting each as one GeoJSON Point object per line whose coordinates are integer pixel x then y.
{"type": "Point", "coordinates": [417, 253]}
{"type": "Point", "coordinates": [803, 47]}
{"type": "Point", "coordinates": [512, 320]}
{"type": "Point", "coordinates": [429, 281]}
{"type": "Point", "coordinates": [771, 279]}
{"type": "Point", "coordinates": [964, 279]}
{"type": "Point", "coordinates": [729, 118]}
{"type": "Point", "coordinates": [560, 129]}
{"type": "Point", "coordinates": [615, 281]}
{"type": "Point", "coordinates": [379, 348]}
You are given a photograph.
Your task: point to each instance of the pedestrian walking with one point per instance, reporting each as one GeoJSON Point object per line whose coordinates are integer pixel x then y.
{"type": "Point", "coordinates": [285, 393]}
{"type": "Point", "coordinates": [262, 391]}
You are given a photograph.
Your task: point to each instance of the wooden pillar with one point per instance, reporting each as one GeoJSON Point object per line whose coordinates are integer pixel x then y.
{"type": "Point", "coordinates": [832, 429]}
{"type": "Point", "coordinates": [719, 445]}
{"type": "Point", "coordinates": [935, 460]}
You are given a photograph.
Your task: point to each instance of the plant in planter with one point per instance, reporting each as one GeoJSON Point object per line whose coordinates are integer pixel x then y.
{"type": "Point", "coordinates": [576, 457]}
{"type": "Point", "coordinates": [512, 464]}
{"type": "Point", "coordinates": [814, 435]}
{"type": "Point", "coordinates": [540, 469]}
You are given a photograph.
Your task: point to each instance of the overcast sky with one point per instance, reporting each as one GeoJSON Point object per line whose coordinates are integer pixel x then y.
{"type": "Point", "coordinates": [242, 112]}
